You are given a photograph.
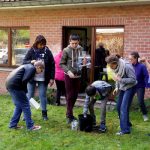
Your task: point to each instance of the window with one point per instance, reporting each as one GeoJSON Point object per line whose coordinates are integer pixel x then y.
{"type": "Point", "coordinates": [13, 46]}
{"type": "Point", "coordinates": [3, 46]}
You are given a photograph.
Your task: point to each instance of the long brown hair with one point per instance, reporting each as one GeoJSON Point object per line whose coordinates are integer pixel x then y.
{"type": "Point", "coordinates": [40, 39]}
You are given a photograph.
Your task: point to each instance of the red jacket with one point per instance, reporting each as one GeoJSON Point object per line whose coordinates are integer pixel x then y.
{"type": "Point", "coordinates": [59, 72]}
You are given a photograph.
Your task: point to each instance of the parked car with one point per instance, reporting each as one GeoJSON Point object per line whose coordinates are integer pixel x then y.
{"type": "Point", "coordinates": [3, 56]}
{"type": "Point", "coordinates": [19, 54]}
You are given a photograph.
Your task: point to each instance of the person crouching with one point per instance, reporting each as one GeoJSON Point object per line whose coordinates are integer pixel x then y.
{"type": "Point", "coordinates": [100, 89]}
{"type": "Point", "coordinates": [16, 84]}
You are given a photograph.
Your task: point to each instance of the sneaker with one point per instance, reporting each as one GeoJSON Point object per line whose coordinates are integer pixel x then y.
{"type": "Point", "coordinates": [145, 117]}
{"type": "Point", "coordinates": [34, 128]}
{"type": "Point", "coordinates": [70, 119]}
{"type": "Point", "coordinates": [17, 127]}
{"type": "Point", "coordinates": [122, 133]}
{"type": "Point", "coordinates": [102, 127]}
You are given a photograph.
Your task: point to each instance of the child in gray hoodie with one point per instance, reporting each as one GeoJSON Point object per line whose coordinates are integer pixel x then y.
{"type": "Point", "coordinates": [102, 90]}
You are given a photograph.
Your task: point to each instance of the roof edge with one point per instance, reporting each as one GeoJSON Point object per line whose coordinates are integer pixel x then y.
{"type": "Point", "coordinates": [81, 5]}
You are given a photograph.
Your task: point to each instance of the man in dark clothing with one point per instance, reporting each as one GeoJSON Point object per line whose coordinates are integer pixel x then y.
{"type": "Point", "coordinates": [70, 65]}
{"type": "Point", "coordinates": [16, 84]}
{"type": "Point", "coordinates": [100, 62]}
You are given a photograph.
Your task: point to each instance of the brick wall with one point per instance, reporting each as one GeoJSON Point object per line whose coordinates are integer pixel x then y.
{"type": "Point", "coordinates": [135, 19]}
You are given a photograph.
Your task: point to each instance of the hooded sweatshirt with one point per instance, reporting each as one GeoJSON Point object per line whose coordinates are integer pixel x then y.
{"type": "Point", "coordinates": [70, 60]}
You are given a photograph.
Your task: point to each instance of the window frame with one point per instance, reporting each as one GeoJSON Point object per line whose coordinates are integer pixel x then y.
{"type": "Point", "coordinates": [9, 29]}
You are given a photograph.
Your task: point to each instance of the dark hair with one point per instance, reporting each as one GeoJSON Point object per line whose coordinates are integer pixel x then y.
{"type": "Point", "coordinates": [90, 90]}
{"type": "Point", "coordinates": [40, 39]}
{"type": "Point", "coordinates": [118, 55]}
{"type": "Point", "coordinates": [112, 59]}
{"type": "Point", "coordinates": [135, 55]}
{"type": "Point", "coordinates": [74, 37]}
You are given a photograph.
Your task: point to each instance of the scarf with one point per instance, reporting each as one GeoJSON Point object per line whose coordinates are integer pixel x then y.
{"type": "Point", "coordinates": [120, 70]}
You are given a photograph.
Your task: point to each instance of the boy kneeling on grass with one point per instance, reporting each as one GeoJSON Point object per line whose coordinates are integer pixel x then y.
{"type": "Point", "coordinates": [16, 84]}
{"type": "Point", "coordinates": [97, 90]}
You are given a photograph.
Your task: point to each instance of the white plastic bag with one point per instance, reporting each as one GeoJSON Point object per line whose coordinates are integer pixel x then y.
{"type": "Point", "coordinates": [34, 103]}
{"type": "Point", "coordinates": [74, 125]}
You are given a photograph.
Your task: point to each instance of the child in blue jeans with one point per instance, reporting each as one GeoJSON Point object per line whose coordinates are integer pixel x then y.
{"type": "Point", "coordinates": [101, 89]}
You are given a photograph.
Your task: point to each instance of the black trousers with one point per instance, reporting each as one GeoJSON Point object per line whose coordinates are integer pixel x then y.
{"type": "Point", "coordinates": [60, 90]}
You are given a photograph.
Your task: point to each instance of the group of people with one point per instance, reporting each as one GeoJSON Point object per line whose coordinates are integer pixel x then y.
{"type": "Point", "coordinates": [40, 69]}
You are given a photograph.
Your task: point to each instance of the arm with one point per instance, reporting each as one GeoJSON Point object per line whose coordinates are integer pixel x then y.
{"type": "Point", "coordinates": [145, 73]}
{"type": "Point", "coordinates": [28, 74]}
{"type": "Point", "coordinates": [52, 65]}
{"type": "Point", "coordinates": [28, 57]}
{"type": "Point", "coordinates": [130, 76]}
{"type": "Point", "coordinates": [63, 62]}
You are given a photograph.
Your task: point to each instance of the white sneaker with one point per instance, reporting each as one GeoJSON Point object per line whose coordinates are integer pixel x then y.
{"type": "Point", "coordinates": [145, 117]}
{"type": "Point", "coordinates": [34, 128]}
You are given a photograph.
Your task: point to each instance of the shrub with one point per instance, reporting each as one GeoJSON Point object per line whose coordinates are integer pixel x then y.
{"type": "Point", "coordinates": [51, 96]}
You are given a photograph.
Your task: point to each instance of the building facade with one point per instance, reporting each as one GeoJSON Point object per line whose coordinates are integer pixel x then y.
{"type": "Point", "coordinates": [21, 21]}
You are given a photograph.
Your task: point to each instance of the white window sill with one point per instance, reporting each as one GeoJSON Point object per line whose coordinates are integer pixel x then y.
{"type": "Point", "coordinates": [6, 69]}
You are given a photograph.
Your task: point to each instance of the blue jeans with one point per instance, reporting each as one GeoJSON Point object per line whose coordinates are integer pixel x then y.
{"type": "Point", "coordinates": [123, 105]}
{"type": "Point", "coordinates": [42, 88]}
{"type": "Point", "coordinates": [140, 96]}
{"type": "Point", "coordinates": [21, 103]}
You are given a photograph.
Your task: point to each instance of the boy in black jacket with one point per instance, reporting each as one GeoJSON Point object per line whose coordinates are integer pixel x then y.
{"type": "Point", "coordinates": [16, 84]}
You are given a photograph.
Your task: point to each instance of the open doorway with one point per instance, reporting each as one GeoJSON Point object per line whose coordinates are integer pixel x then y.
{"type": "Point", "coordinates": [112, 39]}
{"type": "Point", "coordinates": [85, 42]}
{"type": "Point", "coordinates": [108, 41]}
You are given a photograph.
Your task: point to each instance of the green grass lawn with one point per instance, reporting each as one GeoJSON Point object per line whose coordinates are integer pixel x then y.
{"type": "Point", "coordinates": [56, 135]}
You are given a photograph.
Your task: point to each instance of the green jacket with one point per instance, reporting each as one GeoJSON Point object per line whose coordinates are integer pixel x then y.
{"type": "Point", "coordinates": [70, 61]}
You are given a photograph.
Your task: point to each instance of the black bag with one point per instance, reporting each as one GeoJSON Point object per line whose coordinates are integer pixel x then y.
{"type": "Point", "coordinates": [85, 123]}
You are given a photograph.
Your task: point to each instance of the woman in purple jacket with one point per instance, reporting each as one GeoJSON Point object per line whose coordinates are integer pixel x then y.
{"type": "Point", "coordinates": [142, 79]}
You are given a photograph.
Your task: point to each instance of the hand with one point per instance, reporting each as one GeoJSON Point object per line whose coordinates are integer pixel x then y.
{"type": "Point", "coordinates": [51, 82]}
{"type": "Point", "coordinates": [117, 78]}
{"type": "Point", "coordinates": [70, 74]}
{"type": "Point", "coordinates": [115, 92]}
{"type": "Point", "coordinates": [84, 61]}
{"type": "Point", "coordinates": [33, 61]}
{"type": "Point", "coordinates": [142, 59]}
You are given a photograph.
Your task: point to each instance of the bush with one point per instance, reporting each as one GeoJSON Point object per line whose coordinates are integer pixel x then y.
{"type": "Point", "coordinates": [51, 96]}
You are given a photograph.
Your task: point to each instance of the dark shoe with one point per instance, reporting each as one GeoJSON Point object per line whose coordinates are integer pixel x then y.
{"type": "Point", "coordinates": [102, 127]}
{"type": "Point", "coordinates": [44, 115]}
{"type": "Point", "coordinates": [122, 133]}
{"type": "Point", "coordinates": [17, 127]}
{"type": "Point", "coordinates": [130, 124]}
{"type": "Point", "coordinates": [70, 119]}
{"type": "Point", "coordinates": [57, 103]}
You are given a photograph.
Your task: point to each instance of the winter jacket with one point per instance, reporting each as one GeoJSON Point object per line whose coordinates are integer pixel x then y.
{"type": "Point", "coordinates": [128, 80]}
{"type": "Point", "coordinates": [141, 75]}
{"type": "Point", "coordinates": [59, 72]}
{"type": "Point", "coordinates": [70, 61]}
{"type": "Point", "coordinates": [46, 55]}
{"type": "Point", "coordinates": [19, 77]}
